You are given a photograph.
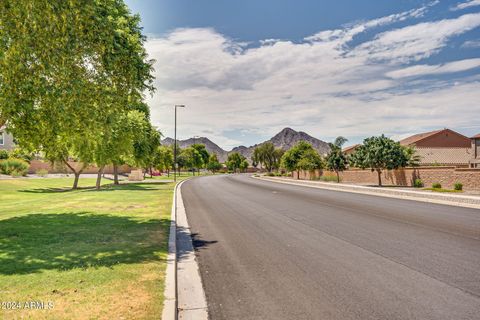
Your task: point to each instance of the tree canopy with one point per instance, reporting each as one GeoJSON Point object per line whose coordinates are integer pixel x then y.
{"type": "Point", "coordinates": [66, 69]}
{"type": "Point", "coordinates": [235, 161]}
{"type": "Point", "coordinates": [267, 155]}
{"type": "Point", "coordinates": [203, 153]}
{"type": "Point", "coordinates": [190, 158]}
{"type": "Point", "coordinates": [302, 156]}
{"type": "Point", "coordinates": [164, 158]}
{"type": "Point", "coordinates": [379, 153]}
{"type": "Point", "coordinates": [213, 163]}
{"type": "Point", "coordinates": [336, 160]}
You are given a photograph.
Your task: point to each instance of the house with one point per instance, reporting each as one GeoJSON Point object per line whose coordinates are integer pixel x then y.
{"type": "Point", "coordinates": [475, 160]}
{"type": "Point", "coordinates": [441, 147]}
{"type": "Point", "coordinates": [6, 140]}
{"type": "Point", "coordinates": [350, 150]}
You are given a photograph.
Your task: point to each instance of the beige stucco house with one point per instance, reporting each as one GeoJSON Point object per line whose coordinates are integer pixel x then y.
{"type": "Point", "coordinates": [441, 147]}
{"type": "Point", "coordinates": [6, 140]}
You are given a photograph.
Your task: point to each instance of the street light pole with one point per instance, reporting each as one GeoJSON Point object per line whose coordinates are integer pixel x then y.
{"type": "Point", "coordinates": [175, 144]}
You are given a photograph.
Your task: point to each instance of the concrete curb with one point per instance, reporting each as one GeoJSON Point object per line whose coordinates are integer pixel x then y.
{"type": "Point", "coordinates": [192, 302]}
{"type": "Point", "coordinates": [170, 292]}
{"type": "Point", "coordinates": [457, 200]}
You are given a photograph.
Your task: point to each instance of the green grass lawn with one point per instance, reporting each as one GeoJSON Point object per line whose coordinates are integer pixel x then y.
{"type": "Point", "coordinates": [180, 176]}
{"type": "Point", "coordinates": [93, 254]}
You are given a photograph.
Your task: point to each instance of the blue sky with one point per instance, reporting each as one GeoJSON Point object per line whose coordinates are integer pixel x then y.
{"type": "Point", "coordinates": [246, 69]}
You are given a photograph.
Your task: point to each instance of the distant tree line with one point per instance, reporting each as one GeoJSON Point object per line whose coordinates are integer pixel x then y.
{"type": "Point", "coordinates": [377, 153]}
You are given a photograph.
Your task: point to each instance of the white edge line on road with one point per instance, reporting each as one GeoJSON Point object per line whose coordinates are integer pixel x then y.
{"type": "Point", "coordinates": [365, 190]}
{"type": "Point", "coordinates": [170, 291]}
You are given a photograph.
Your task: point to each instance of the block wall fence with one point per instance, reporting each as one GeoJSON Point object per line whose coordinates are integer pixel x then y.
{"type": "Point", "coordinates": [38, 164]}
{"type": "Point", "coordinates": [446, 176]}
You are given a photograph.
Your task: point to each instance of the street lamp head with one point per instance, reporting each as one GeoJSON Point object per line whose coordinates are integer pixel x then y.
{"type": "Point", "coordinates": [179, 106]}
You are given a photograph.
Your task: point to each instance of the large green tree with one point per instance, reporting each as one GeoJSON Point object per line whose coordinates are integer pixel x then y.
{"type": "Point", "coordinates": [336, 159]}
{"type": "Point", "coordinates": [116, 145]}
{"type": "Point", "coordinates": [203, 153]}
{"type": "Point", "coordinates": [378, 154]}
{"type": "Point", "coordinates": [147, 141]}
{"type": "Point", "coordinates": [213, 163]}
{"type": "Point", "coordinates": [302, 156]}
{"type": "Point", "coordinates": [268, 156]}
{"type": "Point", "coordinates": [164, 159]}
{"type": "Point", "coordinates": [234, 161]}
{"type": "Point", "coordinates": [65, 68]}
{"type": "Point", "coordinates": [190, 158]}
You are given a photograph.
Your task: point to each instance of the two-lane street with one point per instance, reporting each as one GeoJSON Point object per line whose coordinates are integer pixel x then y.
{"type": "Point", "coordinates": [275, 251]}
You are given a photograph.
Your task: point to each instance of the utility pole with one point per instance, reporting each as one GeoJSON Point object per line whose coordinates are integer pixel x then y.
{"type": "Point", "coordinates": [175, 165]}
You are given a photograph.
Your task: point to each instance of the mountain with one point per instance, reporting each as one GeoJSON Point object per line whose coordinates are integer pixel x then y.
{"type": "Point", "coordinates": [209, 145]}
{"type": "Point", "coordinates": [288, 137]}
{"type": "Point", "coordinates": [285, 139]}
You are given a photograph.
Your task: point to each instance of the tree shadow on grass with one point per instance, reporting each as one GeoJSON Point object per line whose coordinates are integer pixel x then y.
{"type": "Point", "coordinates": [140, 186]}
{"type": "Point", "coordinates": [36, 242]}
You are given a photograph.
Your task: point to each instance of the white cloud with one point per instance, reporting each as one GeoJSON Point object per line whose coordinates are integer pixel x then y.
{"type": "Point", "coordinates": [321, 86]}
{"type": "Point", "coordinates": [471, 44]}
{"type": "Point", "coordinates": [415, 42]}
{"type": "Point", "coordinates": [467, 4]}
{"type": "Point", "coordinates": [421, 70]}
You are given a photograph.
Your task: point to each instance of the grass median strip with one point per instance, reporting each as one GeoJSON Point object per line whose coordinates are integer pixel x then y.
{"type": "Point", "coordinates": [93, 254]}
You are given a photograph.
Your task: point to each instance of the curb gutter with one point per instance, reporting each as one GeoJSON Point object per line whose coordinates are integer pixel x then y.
{"type": "Point", "coordinates": [170, 292]}
{"type": "Point", "coordinates": [184, 294]}
{"type": "Point", "coordinates": [192, 303]}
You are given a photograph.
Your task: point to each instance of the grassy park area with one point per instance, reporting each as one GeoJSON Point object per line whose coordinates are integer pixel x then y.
{"type": "Point", "coordinates": [93, 254]}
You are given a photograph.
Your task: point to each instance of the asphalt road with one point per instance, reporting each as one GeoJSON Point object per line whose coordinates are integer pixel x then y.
{"type": "Point", "coordinates": [273, 251]}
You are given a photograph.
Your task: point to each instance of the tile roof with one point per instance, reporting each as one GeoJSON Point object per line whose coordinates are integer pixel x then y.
{"type": "Point", "coordinates": [476, 136]}
{"type": "Point", "coordinates": [417, 137]}
{"type": "Point", "coordinates": [350, 148]}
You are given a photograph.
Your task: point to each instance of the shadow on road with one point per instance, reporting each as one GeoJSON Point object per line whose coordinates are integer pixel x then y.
{"type": "Point", "coordinates": [184, 248]}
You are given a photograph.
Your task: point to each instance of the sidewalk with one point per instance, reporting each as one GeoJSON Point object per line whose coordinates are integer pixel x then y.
{"type": "Point", "coordinates": [440, 198]}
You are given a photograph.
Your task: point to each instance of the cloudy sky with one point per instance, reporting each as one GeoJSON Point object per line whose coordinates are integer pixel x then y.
{"type": "Point", "coordinates": [246, 69]}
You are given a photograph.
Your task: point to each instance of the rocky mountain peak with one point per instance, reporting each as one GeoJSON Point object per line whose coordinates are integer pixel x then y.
{"type": "Point", "coordinates": [285, 139]}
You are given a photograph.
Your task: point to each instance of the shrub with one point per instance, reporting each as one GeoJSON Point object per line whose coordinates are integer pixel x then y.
{"type": "Point", "coordinates": [42, 173]}
{"type": "Point", "coordinates": [270, 174]}
{"type": "Point", "coordinates": [418, 183]}
{"type": "Point", "coordinates": [14, 167]}
{"type": "Point", "coordinates": [3, 154]}
{"type": "Point", "coordinates": [436, 185]}
{"type": "Point", "coordinates": [458, 186]}
{"type": "Point", "coordinates": [16, 174]}
{"type": "Point", "coordinates": [329, 178]}
{"type": "Point", "coordinates": [21, 154]}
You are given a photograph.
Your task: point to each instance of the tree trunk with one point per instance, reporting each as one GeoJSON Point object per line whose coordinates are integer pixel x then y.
{"type": "Point", "coordinates": [115, 175]}
{"type": "Point", "coordinates": [379, 172]}
{"type": "Point", "coordinates": [75, 181]}
{"type": "Point", "coordinates": [75, 172]}
{"type": "Point", "coordinates": [338, 176]}
{"type": "Point", "coordinates": [99, 177]}
{"type": "Point", "coordinates": [168, 172]}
